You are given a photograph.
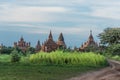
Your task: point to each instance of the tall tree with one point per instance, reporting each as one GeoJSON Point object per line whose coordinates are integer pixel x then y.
{"type": "Point", "coordinates": [110, 36]}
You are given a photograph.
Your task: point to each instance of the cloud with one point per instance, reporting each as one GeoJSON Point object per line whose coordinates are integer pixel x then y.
{"type": "Point", "coordinates": [104, 9]}
{"type": "Point", "coordinates": [29, 14]}
{"type": "Point", "coordinates": [47, 11]}
{"type": "Point", "coordinates": [48, 2]}
{"type": "Point", "coordinates": [44, 29]}
{"type": "Point", "coordinates": [106, 12]}
{"type": "Point", "coordinates": [73, 16]}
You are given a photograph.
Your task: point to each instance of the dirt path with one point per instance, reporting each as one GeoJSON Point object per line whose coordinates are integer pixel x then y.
{"type": "Point", "coordinates": [109, 73]}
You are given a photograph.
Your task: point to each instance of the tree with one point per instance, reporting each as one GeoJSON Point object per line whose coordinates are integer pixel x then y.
{"type": "Point", "coordinates": [31, 50]}
{"type": "Point", "coordinates": [114, 49]}
{"type": "Point", "coordinates": [6, 50]}
{"type": "Point", "coordinates": [110, 36]}
{"type": "Point", "coordinates": [91, 49]}
{"type": "Point", "coordinates": [15, 56]}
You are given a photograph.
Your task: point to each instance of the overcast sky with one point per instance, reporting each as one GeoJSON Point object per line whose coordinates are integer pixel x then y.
{"type": "Point", "coordinates": [33, 19]}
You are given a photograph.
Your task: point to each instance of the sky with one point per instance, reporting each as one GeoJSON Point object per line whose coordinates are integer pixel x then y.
{"type": "Point", "coordinates": [33, 19]}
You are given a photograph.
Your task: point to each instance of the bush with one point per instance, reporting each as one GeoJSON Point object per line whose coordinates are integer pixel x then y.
{"type": "Point", "coordinates": [15, 57]}
{"type": "Point", "coordinates": [114, 49]}
{"type": "Point", "coordinates": [116, 57]}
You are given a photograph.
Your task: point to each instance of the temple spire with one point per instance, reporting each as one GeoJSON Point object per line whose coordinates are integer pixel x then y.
{"type": "Point", "coordinates": [21, 39]}
{"type": "Point", "coordinates": [38, 46]}
{"type": "Point", "coordinates": [50, 35]}
{"type": "Point", "coordinates": [90, 32]}
{"type": "Point", "coordinates": [91, 36]}
{"type": "Point", "coordinates": [61, 38]}
{"type": "Point", "coordinates": [61, 44]}
{"type": "Point", "coordinates": [38, 42]}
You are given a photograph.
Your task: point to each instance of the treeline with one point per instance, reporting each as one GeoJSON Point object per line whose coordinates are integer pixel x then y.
{"type": "Point", "coordinates": [8, 50]}
{"type": "Point", "coordinates": [110, 41]}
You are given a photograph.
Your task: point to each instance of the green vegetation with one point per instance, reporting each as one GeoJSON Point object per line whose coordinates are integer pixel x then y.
{"type": "Point", "coordinates": [114, 49]}
{"type": "Point", "coordinates": [57, 65]}
{"type": "Point", "coordinates": [6, 50]}
{"type": "Point", "coordinates": [15, 56]}
{"type": "Point", "coordinates": [4, 58]}
{"type": "Point", "coordinates": [110, 41]}
{"type": "Point", "coordinates": [116, 57]}
{"type": "Point", "coordinates": [19, 71]}
{"type": "Point", "coordinates": [76, 58]}
{"type": "Point", "coordinates": [110, 36]}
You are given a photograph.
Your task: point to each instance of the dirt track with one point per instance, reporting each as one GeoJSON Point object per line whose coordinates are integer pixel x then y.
{"type": "Point", "coordinates": [109, 73]}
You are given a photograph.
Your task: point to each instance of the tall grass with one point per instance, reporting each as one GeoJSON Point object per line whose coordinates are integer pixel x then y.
{"type": "Point", "coordinates": [76, 58]}
{"type": "Point", "coordinates": [5, 58]}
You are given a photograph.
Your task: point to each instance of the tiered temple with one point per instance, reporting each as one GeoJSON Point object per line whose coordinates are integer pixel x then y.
{"type": "Point", "coordinates": [49, 45]}
{"type": "Point", "coordinates": [22, 45]}
{"type": "Point", "coordinates": [89, 43]}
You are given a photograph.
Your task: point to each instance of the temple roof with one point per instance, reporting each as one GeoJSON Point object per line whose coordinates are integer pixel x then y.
{"type": "Point", "coordinates": [38, 42]}
{"type": "Point", "coordinates": [91, 36]}
{"type": "Point", "coordinates": [50, 40]}
{"type": "Point", "coordinates": [21, 39]}
{"type": "Point", "coordinates": [50, 36]}
{"type": "Point", "coordinates": [89, 42]}
{"type": "Point", "coordinates": [60, 41]}
{"type": "Point", "coordinates": [61, 38]}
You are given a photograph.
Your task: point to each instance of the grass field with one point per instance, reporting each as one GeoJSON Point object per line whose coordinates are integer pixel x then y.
{"type": "Point", "coordinates": [17, 71]}
{"type": "Point", "coordinates": [50, 66]}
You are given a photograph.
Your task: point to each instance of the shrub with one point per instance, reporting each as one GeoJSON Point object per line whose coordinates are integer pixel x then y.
{"type": "Point", "coordinates": [116, 57]}
{"type": "Point", "coordinates": [15, 57]}
{"type": "Point", "coordinates": [114, 49]}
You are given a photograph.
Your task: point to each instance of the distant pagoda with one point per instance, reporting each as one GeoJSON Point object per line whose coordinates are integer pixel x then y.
{"type": "Point", "coordinates": [61, 44]}
{"type": "Point", "coordinates": [89, 43]}
{"type": "Point", "coordinates": [21, 44]}
{"type": "Point", "coordinates": [38, 47]}
{"type": "Point", "coordinates": [49, 45]}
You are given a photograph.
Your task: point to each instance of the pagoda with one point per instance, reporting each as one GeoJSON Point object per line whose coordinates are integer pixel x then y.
{"type": "Point", "coordinates": [61, 44]}
{"type": "Point", "coordinates": [49, 45]}
{"type": "Point", "coordinates": [22, 45]}
{"type": "Point", "coordinates": [38, 47]}
{"type": "Point", "coordinates": [89, 43]}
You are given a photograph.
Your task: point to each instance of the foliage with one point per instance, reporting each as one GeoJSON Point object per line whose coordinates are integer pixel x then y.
{"type": "Point", "coordinates": [110, 36]}
{"type": "Point", "coordinates": [15, 57]}
{"type": "Point", "coordinates": [91, 49]}
{"type": "Point", "coordinates": [55, 67]}
{"type": "Point", "coordinates": [116, 57]}
{"type": "Point", "coordinates": [30, 50]}
{"type": "Point", "coordinates": [76, 58]}
{"type": "Point", "coordinates": [6, 50]}
{"type": "Point", "coordinates": [114, 49]}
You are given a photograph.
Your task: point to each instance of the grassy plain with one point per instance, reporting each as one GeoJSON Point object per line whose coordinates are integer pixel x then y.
{"type": "Point", "coordinates": [50, 66]}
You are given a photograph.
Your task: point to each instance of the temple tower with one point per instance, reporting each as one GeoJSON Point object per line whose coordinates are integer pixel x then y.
{"type": "Point", "coordinates": [49, 45]}
{"type": "Point", "coordinates": [89, 43]}
{"type": "Point", "coordinates": [60, 42]}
